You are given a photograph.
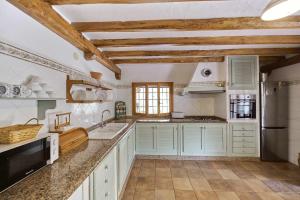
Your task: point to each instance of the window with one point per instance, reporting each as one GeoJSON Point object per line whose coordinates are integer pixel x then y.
{"type": "Point", "coordinates": [152, 98]}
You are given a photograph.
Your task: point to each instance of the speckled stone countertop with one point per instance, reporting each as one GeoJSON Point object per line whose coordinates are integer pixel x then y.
{"type": "Point", "coordinates": [187, 119]}
{"type": "Point", "coordinates": [59, 180]}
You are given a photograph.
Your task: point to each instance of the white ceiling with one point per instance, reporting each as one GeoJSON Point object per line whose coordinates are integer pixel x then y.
{"type": "Point", "coordinates": [182, 10]}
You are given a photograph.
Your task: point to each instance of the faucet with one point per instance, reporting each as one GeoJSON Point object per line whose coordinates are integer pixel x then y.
{"type": "Point", "coordinates": [102, 123]}
{"type": "Point", "coordinates": [37, 121]}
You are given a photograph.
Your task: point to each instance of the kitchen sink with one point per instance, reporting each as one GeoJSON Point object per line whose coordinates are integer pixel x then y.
{"type": "Point", "coordinates": [107, 132]}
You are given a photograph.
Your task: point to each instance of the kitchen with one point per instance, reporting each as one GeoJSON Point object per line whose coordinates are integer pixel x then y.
{"type": "Point", "coordinates": [107, 99]}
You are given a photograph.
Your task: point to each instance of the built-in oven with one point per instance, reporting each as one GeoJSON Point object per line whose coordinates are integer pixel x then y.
{"type": "Point", "coordinates": [17, 163]}
{"type": "Point", "coordinates": [243, 106]}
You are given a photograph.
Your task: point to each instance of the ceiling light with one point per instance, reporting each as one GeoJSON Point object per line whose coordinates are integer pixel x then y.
{"type": "Point", "coordinates": [278, 9]}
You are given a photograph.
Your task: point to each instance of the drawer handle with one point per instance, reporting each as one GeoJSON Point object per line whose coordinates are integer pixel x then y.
{"type": "Point", "coordinates": [105, 181]}
{"type": "Point", "coordinates": [106, 194]}
{"type": "Point", "coordinates": [106, 167]}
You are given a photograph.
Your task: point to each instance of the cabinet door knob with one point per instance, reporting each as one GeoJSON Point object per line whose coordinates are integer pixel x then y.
{"type": "Point", "coordinates": [106, 167]}
{"type": "Point", "coordinates": [105, 181]}
{"type": "Point", "coordinates": [106, 194]}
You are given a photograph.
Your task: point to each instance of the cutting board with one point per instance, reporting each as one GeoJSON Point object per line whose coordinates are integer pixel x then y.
{"type": "Point", "coordinates": [71, 139]}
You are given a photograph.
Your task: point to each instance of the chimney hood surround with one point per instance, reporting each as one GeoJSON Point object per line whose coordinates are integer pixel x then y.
{"type": "Point", "coordinates": [208, 78]}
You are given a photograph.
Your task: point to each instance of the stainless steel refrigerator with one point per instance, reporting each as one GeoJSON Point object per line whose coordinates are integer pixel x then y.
{"type": "Point", "coordinates": [274, 120]}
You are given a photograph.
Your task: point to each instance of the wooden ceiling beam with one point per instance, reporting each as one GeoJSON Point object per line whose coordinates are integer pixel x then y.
{"type": "Point", "coordinates": [219, 52]}
{"type": "Point", "coordinates": [222, 40]}
{"type": "Point", "coordinates": [170, 60]}
{"type": "Point", "coordinates": [44, 13]}
{"type": "Point", "coordinates": [65, 2]}
{"type": "Point", "coordinates": [280, 63]}
{"type": "Point", "coordinates": [238, 23]}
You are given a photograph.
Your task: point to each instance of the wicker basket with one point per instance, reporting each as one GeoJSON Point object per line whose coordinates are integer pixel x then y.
{"type": "Point", "coordinates": [18, 133]}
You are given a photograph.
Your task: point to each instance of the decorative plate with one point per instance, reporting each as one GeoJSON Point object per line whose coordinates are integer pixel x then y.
{"type": "Point", "coordinates": [4, 90]}
{"type": "Point", "coordinates": [16, 90]}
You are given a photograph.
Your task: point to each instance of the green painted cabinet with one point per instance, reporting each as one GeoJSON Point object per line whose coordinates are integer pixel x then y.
{"type": "Point", "coordinates": [191, 139]}
{"type": "Point", "coordinates": [214, 139]}
{"type": "Point", "coordinates": [131, 146]}
{"type": "Point", "coordinates": [146, 139]}
{"type": "Point", "coordinates": [242, 72]}
{"type": "Point", "coordinates": [166, 139]}
{"type": "Point", "coordinates": [122, 162]}
{"type": "Point", "coordinates": [243, 139]}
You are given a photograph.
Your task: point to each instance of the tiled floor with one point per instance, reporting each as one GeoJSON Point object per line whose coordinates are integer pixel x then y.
{"type": "Point", "coordinates": [212, 180]}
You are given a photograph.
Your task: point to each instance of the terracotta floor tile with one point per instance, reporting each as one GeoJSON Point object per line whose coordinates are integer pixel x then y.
{"type": "Point", "coordinates": [204, 164]}
{"type": "Point", "coordinates": [227, 196]}
{"type": "Point", "coordinates": [195, 173]}
{"type": "Point", "coordinates": [179, 173]}
{"type": "Point", "coordinates": [176, 163]}
{"type": "Point", "coordinates": [219, 185]}
{"type": "Point", "coordinates": [164, 183]}
{"type": "Point", "coordinates": [182, 184]}
{"type": "Point", "coordinates": [257, 186]}
{"type": "Point", "coordinates": [164, 195]}
{"type": "Point", "coordinates": [211, 174]}
{"type": "Point", "coordinates": [148, 163]}
{"type": "Point", "coordinates": [289, 195]}
{"type": "Point", "coordinates": [190, 164]}
{"type": "Point", "coordinates": [294, 185]}
{"type": "Point", "coordinates": [200, 184]}
{"type": "Point", "coordinates": [185, 195]}
{"type": "Point", "coordinates": [147, 172]}
{"type": "Point", "coordinates": [206, 195]}
{"type": "Point", "coordinates": [248, 196]}
{"type": "Point", "coordinates": [135, 171]}
{"type": "Point", "coordinates": [244, 174]}
{"type": "Point", "coordinates": [163, 172]}
{"type": "Point", "coordinates": [251, 166]}
{"type": "Point", "coordinates": [131, 184]}
{"type": "Point", "coordinates": [277, 186]}
{"type": "Point", "coordinates": [228, 174]}
{"type": "Point", "coordinates": [162, 163]}
{"type": "Point", "coordinates": [145, 183]}
{"type": "Point", "coordinates": [137, 163]}
{"type": "Point", "coordinates": [269, 196]}
{"type": "Point", "coordinates": [144, 195]}
{"type": "Point", "coordinates": [239, 186]}
{"type": "Point", "coordinates": [220, 164]}
{"type": "Point", "coordinates": [128, 194]}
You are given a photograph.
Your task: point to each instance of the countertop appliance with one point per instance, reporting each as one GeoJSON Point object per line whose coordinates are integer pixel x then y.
{"type": "Point", "coordinates": [54, 147]}
{"type": "Point", "coordinates": [243, 106]}
{"type": "Point", "coordinates": [274, 120]}
{"type": "Point", "coordinates": [177, 115]}
{"type": "Point", "coordinates": [17, 163]}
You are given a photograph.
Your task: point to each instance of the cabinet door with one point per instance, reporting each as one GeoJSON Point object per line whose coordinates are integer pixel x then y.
{"type": "Point", "coordinates": [146, 139]}
{"type": "Point", "coordinates": [167, 139]}
{"type": "Point", "coordinates": [242, 73]}
{"type": "Point", "coordinates": [123, 162]}
{"type": "Point", "coordinates": [191, 139]}
{"type": "Point", "coordinates": [78, 194]}
{"type": "Point", "coordinates": [131, 146]}
{"type": "Point", "coordinates": [214, 141]}
{"type": "Point", "coordinates": [100, 190]}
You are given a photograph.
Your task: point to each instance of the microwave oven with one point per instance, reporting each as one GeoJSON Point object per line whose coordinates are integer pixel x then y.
{"type": "Point", "coordinates": [17, 163]}
{"type": "Point", "coordinates": [243, 106]}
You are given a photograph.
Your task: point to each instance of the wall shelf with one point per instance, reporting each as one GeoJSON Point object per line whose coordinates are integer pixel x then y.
{"type": "Point", "coordinates": [86, 84]}
{"type": "Point", "coordinates": [31, 99]}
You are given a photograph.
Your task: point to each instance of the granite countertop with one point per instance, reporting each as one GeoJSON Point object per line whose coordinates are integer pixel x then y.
{"type": "Point", "coordinates": [187, 119]}
{"type": "Point", "coordinates": [61, 179]}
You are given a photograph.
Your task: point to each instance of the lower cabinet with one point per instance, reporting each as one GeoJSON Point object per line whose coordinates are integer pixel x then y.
{"type": "Point", "coordinates": [191, 139]}
{"type": "Point", "coordinates": [156, 139]}
{"type": "Point", "coordinates": [243, 139]}
{"type": "Point", "coordinates": [82, 192]}
{"type": "Point", "coordinates": [214, 140]}
{"type": "Point", "coordinates": [104, 179]}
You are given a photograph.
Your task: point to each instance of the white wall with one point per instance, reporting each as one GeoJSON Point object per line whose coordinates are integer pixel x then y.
{"type": "Point", "coordinates": [292, 73]}
{"type": "Point", "coordinates": [181, 75]}
{"type": "Point", "coordinates": [22, 31]}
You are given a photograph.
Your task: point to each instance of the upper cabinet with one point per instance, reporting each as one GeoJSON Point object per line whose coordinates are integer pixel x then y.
{"type": "Point", "coordinates": [242, 73]}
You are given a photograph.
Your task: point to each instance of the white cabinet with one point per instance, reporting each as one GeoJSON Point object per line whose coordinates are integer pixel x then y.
{"type": "Point", "coordinates": [191, 139]}
{"type": "Point", "coordinates": [146, 139]}
{"type": "Point", "coordinates": [167, 139]}
{"type": "Point", "coordinates": [131, 146]}
{"type": "Point", "coordinates": [82, 192]}
{"type": "Point", "coordinates": [243, 139]}
{"type": "Point", "coordinates": [242, 72]}
{"type": "Point", "coordinates": [104, 179]}
{"type": "Point", "coordinates": [156, 139]}
{"type": "Point", "coordinates": [214, 139]}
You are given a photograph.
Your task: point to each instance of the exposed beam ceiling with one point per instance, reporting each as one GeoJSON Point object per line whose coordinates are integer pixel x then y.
{"type": "Point", "coordinates": [221, 52]}
{"type": "Point", "coordinates": [265, 60]}
{"type": "Point", "coordinates": [239, 23]}
{"type": "Point", "coordinates": [44, 13]}
{"type": "Point", "coordinates": [223, 40]}
{"type": "Point", "coordinates": [170, 60]}
{"type": "Point", "coordinates": [282, 63]}
{"type": "Point", "coordinates": [63, 2]}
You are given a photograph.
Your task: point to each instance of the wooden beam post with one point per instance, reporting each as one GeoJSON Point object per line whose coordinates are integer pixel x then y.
{"type": "Point", "coordinates": [42, 11]}
{"type": "Point", "coordinates": [281, 63]}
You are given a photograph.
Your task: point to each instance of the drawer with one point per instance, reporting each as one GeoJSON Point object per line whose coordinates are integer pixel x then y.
{"type": "Point", "coordinates": [244, 127]}
{"type": "Point", "coordinates": [244, 144]}
{"type": "Point", "coordinates": [244, 150]}
{"type": "Point", "coordinates": [243, 133]}
{"type": "Point", "coordinates": [244, 139]}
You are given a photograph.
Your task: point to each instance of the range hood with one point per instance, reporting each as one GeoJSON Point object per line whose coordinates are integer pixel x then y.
{"type": "Point", "coordinates": [205, 87]}
{"type": "Point", "coordinates": [207, 79]}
